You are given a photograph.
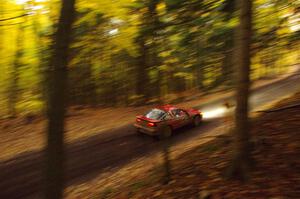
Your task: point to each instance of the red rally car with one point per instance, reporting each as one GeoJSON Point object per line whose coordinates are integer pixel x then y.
{"type": "Point", "coordinates": [162, 120]}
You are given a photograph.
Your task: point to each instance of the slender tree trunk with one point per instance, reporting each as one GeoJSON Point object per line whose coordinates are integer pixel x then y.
{"type": "Point", "coordinates": [57, 102]}
{"type": "Point", "coordinates": [42, 62]}
{"type": "Point", "coordinates": [241, 161]}
{"type": "Point", "coordinates": [91, 94]}
{"type": "Point", "coordinates": [148, 58]}
{"type": "Point", "coordinates": [226, 67]}
{"type": "Point", "coordinates": [3, 91]}
{"type": "Point", "coordinates": [199, 67]}
{"type": "Point", "coordinates": [13, 88]}
{"type": "Point", "coordinates": [142, 76]}
{"type": "Point", "coordinates": [154, 22]}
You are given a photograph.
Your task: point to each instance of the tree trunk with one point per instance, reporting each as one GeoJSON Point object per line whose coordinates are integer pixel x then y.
{"type": "Point", "coordinates": [199, 67]}
{"type": "Point", "coordinates": [142, 80]}
{"type": "Point", "coordinates": [226, 70]}
{"type": "Point", "coordinates": [154, 60]}
{"type": "Point", "coordinates": [241, 161]}
{"type": "Point", "coordinates": [57, 102]}
{"type": "Point", "coordinates": [91, 94]}
{"type": "Point", "coordinates": [13, 88]}
{"type": "Point", "coordinates": [43, 51]}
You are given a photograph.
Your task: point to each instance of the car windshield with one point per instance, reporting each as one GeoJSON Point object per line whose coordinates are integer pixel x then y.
{"type": "Point", "coordinates": [155, 114]}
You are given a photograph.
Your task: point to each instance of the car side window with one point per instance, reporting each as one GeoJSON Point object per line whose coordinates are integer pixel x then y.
{"type": "Point", "coordinates": [176, 112]}
{"type": "Point", "coordinates": [180, 113]}
{"type": "Point", "coordinates": [183, 113]}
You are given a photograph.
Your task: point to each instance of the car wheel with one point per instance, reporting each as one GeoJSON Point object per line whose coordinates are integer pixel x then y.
{"type": "Point", "coordinates": [165, 132]}
{"type": "Point", "coordinates": [197, 120]}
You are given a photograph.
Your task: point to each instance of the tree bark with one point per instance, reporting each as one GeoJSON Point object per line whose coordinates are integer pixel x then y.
{"type": "Point", "coordinates": [43, 51]}
{"type": "Point", "coordinates": [241, 161]}
{"type": "Point", "coordinates": [199, 66]}
{"type": "Point", "coordinates": [226, 69]}
{"type": "Point", "coordinates": [142, 80]}
{"type": "Point", "coordinates": [148, 58]}
{"type": "Point", "coordinates": [14, 87]}
{"type": "Point", "coordinates": [57, 102]}
{"type": "Point", "coordinates": [14, 84]}
{"type": "Point", "coordinates": [154, 60]}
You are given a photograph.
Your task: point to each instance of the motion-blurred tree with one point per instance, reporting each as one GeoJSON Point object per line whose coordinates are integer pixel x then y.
{"type": "Point", "coordinates": [17, 63]}
{"type": "Point", "coordinates": [148, 42]}
{"type": "Point", "coordinates": [242, 157]}
{"type": "Point", "coordinates": [57, 102]}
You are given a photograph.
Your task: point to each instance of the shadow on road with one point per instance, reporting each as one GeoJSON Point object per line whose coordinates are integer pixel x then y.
{"type": "Point", "coordinates": [21, 176]}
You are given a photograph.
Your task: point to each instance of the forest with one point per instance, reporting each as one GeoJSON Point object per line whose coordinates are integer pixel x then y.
{"type": "Point", "coordinates": [130, 53]}
{"type": "Point", "coordinates": [76, 74]}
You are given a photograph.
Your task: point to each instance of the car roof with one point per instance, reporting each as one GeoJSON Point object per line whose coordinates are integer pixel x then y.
{"type": "Point", "coordinates": [166, 107]}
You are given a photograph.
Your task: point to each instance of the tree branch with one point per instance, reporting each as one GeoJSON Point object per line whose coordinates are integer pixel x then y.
{"type": "Point", "coordinates": [23, 15]}
{"type": "Point", "coordinates": [280, 109]}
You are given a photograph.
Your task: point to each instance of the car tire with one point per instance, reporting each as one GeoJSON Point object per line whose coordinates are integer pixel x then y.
{"type": "Point", "coordinates": [197, 120]}
{"type": "Point", "coordinates": [165, 132]}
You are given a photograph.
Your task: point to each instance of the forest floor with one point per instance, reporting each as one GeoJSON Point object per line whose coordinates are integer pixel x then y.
{"type": "Point", "coordinates": [24, 134]}
{"type": "Point", "coordinates": [103, 151]}
{"type": "Point", "coordinates": [199, 172]}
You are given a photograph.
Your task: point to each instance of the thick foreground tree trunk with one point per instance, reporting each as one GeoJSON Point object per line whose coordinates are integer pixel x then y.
{"type": "Point", "coordinates": [241, 160]}
{"type": "Point", "coordinates": [57, 102]}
